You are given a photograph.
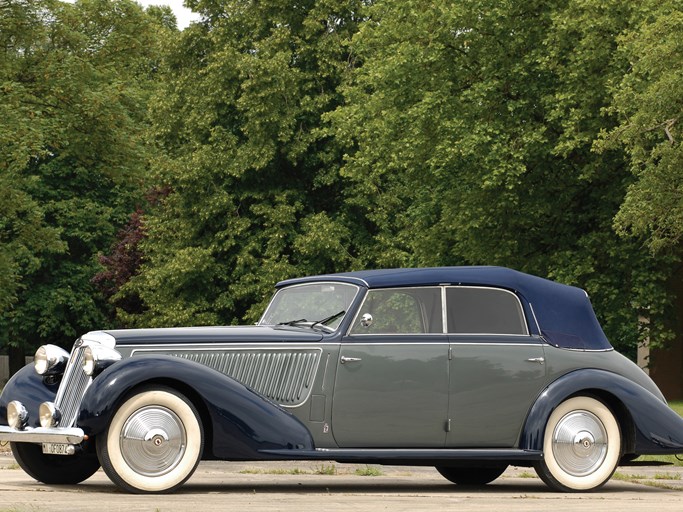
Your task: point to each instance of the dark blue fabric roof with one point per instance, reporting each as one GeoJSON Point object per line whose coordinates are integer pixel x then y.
{"type": "Point", "coordinates": [564, 313]}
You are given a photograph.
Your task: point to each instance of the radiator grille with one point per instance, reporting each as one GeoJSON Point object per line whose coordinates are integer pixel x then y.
{"type": "Point", "coordinates": [72, 388]}
{"type": "Point", "coordinates": [284, 376]}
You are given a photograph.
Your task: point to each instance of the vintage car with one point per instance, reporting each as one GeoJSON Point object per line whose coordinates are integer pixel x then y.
{"type": "Point", "coordinates": [468, 369]}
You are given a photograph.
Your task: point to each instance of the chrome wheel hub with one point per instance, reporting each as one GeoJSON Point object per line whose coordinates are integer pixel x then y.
{"type": "Point", "coordinates": [579, 443]}
{"type": "Point", "coordinates": [153, 441]}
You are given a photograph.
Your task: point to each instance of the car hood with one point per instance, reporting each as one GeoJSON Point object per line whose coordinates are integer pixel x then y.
{"type": "Point", "coordinates": [245, 334]}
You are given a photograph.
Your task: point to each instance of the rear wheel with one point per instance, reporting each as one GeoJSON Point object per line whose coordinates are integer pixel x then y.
{"type": "Point", "coordinates": [154, 442]}
{"type": "Point", "coordinates": [471, 475]}
{"type": "Point", "coordinates": [581, 446]}
{"type": "Point", "coordinates": [54, 469]}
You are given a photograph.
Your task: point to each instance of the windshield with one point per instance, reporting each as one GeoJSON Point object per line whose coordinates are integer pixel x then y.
{"type": "Point", "coordinates": [312, 305]}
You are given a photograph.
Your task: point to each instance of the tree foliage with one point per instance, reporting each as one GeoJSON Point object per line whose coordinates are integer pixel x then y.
{"type": "Point", "coordinates": [648, 100]}
{"type": "Point", "coordinates": [256, 194]}
{"type": "Point", "coordinates": [74, 82]}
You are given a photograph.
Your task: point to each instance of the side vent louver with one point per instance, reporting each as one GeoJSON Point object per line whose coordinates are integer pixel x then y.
{"type": "Point", "coordinates": [284, 376]}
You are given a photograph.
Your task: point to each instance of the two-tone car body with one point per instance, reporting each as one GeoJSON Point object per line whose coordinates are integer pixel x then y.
{"type": "Point", "coordinates": [469, 369]}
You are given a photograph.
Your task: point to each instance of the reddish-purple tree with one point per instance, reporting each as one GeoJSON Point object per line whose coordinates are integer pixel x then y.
{"type": "Point", "coordinates": [122, 263]}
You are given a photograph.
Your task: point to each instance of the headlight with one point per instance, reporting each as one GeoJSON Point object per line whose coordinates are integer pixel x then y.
{"type": "Point", "coordinates": [49, 415]}
{"type": "Point", "coordinates": [96, 358]}
{"type": "Point", "coordinates": [50, 360]}
{"type": "Point", "coordinates": [17, 417]}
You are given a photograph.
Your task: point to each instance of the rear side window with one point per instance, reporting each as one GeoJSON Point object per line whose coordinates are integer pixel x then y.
{"type": "Point", "coordinates": [484, 311]}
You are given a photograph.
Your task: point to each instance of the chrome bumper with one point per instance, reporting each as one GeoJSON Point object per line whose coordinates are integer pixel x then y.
{"type": "Point", "coordinates": [42, 435]}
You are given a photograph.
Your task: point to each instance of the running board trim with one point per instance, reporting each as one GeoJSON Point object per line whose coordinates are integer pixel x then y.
{"type": "Point", "coordinates": [389, 454]}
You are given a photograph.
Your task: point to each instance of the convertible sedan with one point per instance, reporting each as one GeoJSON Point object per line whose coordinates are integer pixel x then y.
{"type": "Point", "coordinates": [468, 369]}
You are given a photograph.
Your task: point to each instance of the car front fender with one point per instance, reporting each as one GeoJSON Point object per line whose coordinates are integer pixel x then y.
{"type": "Point", "coordinates": [241, 422]}
{"type": "Point", "coordinates": [31, 390]}
{"type": "Point", "coordinates": [657, 429]}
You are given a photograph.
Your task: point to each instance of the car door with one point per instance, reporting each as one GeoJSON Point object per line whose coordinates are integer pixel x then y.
{"type": "Point", "coordinates": [497, 369]}
{"type": "Point", "coordinates": [391, 386]}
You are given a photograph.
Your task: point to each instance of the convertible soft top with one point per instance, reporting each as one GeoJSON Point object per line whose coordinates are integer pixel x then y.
{"type": "Point", "coordinates": [564, 313]}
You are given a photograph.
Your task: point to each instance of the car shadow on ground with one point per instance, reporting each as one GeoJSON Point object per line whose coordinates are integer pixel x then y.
{"type": "Point", "coordinates": [505, 486]}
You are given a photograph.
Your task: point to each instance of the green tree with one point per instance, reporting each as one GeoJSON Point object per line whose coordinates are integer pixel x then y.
{"type": "Point", "coordinates": [255, 190]}
{"type": "Point", "coordinates": [648, 101]}
{"type": "Point", "coordinates": [74, 82]}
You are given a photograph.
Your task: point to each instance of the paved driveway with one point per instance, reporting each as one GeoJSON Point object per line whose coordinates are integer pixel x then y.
{"type": "Point", "coordinates": [286, 486]}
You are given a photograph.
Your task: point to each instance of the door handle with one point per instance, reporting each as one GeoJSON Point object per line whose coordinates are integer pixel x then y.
{"type": "Point", "coordinates": [539, 360]}
{"type": "Point", "coordinates": [345, 359]}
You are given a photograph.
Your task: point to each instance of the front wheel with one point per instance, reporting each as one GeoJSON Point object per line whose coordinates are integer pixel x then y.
{"type": "Point", "coordinates": [581, 446]}
{"type": "Point", "coordinates": [471, 475]}
{"type": "Point", "coordinates": [153, 443]}
{"type": "Point", "coordinates": [54, 469]}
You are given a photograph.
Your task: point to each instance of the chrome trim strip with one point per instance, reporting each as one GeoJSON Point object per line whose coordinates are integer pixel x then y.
{"type": "Point", "coordinates": [533, 313]}
{"type": "Point", "coordinates": [322, 279]}
{"type": "Point", "coordinates": [42, 435]}
{"type": "Point", "coordinates": [100, 337]}
{"type": "Point", "coordinates": [452, 335]}
{"type": "Point", "coordinates": [611, 349]}
{"type": "Point", "coordinates": [453, 344]}
{"type": "Point", "coordinates": [497, 344]}
{"type": "Point", "coordinates": [400, 335]}
{"type": "Point", "coordinates": [327, 365]}
{"type": "Point", "coordinates": [407, 454]}
{"type": "Point", "coordinates": [444, 311]}
{"type": "Point", "coordinates": [214, 347]}
{"type": "Point", "coordinates": [390, 343]}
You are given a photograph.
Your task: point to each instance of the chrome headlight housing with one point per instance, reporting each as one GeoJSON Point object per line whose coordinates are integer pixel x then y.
{"type": "Point", "coordinates": [50, 416]}
{"type": "Point", "coordinates": [17, 416]}
{"type": "Point", "coordinates": [50, 360]}
{"type": "Point", "coordinates": [96, 358]}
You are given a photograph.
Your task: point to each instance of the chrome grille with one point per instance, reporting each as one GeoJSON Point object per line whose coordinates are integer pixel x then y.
{"type": "Point", "coordinates": [72, 388]}
{"type": "Point", "coordinates": [284, 376]}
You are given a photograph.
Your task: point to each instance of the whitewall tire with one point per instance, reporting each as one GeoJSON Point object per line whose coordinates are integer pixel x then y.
{"type": "Point", "coordinates": [581, 446]}
{"type": "Point", "coordinates": [153, 443]}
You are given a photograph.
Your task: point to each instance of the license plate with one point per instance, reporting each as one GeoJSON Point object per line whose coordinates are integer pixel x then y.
{"type": "Point", "coordinates": [58, 449]}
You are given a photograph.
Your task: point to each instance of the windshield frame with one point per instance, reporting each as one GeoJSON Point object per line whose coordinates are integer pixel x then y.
{"type": "Point", "coordinates": [310, 322]}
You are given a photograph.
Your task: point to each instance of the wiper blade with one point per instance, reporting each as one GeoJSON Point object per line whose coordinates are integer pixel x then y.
{"type": "Point", "coordinates": [294, 322]}
{"type": "Point", "coordinates": [329, 319]}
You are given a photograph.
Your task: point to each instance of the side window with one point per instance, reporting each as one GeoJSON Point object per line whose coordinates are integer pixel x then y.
{"type": "Point", "coordinates": [400, 311]}
{"type": "Point", "coordinates": [484, 311]}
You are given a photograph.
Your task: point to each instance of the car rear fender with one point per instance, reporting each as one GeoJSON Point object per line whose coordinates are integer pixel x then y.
{"type": "Point", "coordinates": [655, 428]}
{"type": "Point", "coordinates": [241, 422]}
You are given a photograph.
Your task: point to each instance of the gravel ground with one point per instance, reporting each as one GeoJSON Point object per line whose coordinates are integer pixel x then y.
{"type": "Point", "coordinates": [328, 486]}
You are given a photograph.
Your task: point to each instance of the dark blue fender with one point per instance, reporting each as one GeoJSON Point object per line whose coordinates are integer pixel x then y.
{"type": "Point", "coordinates": [657, 429]}
{"type": "Point", "coordinates": [31, 390]}
{"type": "Point", "coordinates": [241, 422]}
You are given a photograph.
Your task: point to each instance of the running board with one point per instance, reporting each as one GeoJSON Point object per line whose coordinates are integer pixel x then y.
{"type": "Point", "coordinates": [389, 455]}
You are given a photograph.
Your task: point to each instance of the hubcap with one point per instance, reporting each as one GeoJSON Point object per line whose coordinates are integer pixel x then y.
{"type": "Point", "coordinates": [153, 441]}
{"type": "Point", "coordinates": [580, 443]}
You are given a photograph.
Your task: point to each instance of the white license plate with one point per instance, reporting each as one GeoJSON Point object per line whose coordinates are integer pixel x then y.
{"type": "Point", "coordinates": [58, 449]}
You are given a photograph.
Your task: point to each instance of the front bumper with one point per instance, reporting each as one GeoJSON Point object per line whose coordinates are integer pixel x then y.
{"type": "Point", "coordinates": [42, 435]}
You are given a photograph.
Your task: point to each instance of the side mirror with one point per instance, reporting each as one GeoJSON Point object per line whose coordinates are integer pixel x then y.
{"type": "Point", "coordinates": [366, 320]}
